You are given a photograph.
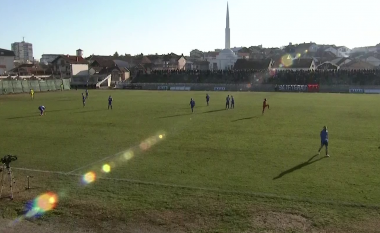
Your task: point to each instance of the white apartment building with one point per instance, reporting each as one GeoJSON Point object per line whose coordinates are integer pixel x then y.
{"type": "Point", "coordinates": [23, 51]}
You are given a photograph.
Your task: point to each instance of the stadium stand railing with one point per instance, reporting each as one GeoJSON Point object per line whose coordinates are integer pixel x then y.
{"type": "Point", "coordinates": [24, 86]}
{"type": "Point", "coordinates": [279, 77]}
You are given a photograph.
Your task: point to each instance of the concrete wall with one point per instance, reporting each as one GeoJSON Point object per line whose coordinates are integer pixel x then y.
{"type": "Point", "coordinates": [79, 69]}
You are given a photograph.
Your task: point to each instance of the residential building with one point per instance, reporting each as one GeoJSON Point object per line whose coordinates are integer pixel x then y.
{"type": "Point", "coordinates": [357, 65]}
{"type": "Point", "coordinates": [306, 48]}
{"type": "Point", "coordinates": [364, 50]}
{"type": "Point", "coordinates": [196, 54]}
{"type": "Point", "coordinates": [305, 64]}
{"type": "Point", "coordinates": [243, 53]}
{"type": "Point", "coordinates": [118, 73]}
{"type": "Point", "coordinates": [7, 58]}
{"type": "Point", "coordinates": [48, 58]}
{"type": "Point", "coordinates": [327, 66]}
{"type": "Point", "coordinates": [169, 61]}
{"type": "Point", "coordinates": [263, 64]}
{"type": "Point", "coordinates": [67, 65]}
{"type": "Point", "coordinates": [341, 51]}
{"type": "Point", "coordinates": [31, 70]}
{"type": "Point", "coordinates": [201, 65]}
{"type": "Point", "coordinates": [210, 55]}
{"type": "Point", "coordinates": [340, 61]}
{"type": "Point", "coordinates": [371, 58]}
{"type": "Point", "coordinates": [23, 51]}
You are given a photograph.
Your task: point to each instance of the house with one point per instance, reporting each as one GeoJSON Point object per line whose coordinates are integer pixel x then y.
{"type": "Point", "coordinates": [196, 54]}
{"type": "Point", "coordinates": [256, 53]}
{"type": "Point", "coordinates": [210, 56]}
{"type": "Point", "coordinates": [340, 61]}
{"type": "Point", "coordinates": [327, 66]}
{"type": "Point", "coordinates": [98, 64]}
{"type": "Point", "coordinates": [169, 61]}
{"type": "Point", "coordinates": [7, 58]}
{"type": "Point", "coordinates": [118, 73]}
{"type": "Point", "coordinates": [296, 64]}
{"type": "Point", "coordinates": [31, 69]}
{"type": "Point", "coordinates": [201, 65]}
{"type": "Point", "coordinates": [357, 65]}
{"type": "Point", "coordinates": [371, 58]}
{"type": "Point", "coordinates": [306, 48]}
{"type": "Point", "coordinates": [189, 65]}
{"type": "Point", "coordinates": [340, 51]}
{"type": "Point", "coordinates": [67, 65]}
{"type": "Point", "coordinates": [244, 53]}
{"type": "Point", "coordinates": [243, 64]}
{"type": "Point", "coordinates": [364, 50]}
{"type": "Point", "coordinates": [48, 58]}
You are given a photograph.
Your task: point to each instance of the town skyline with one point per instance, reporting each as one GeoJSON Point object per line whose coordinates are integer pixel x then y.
{"type": "Point", "coordinates": [165, 27]}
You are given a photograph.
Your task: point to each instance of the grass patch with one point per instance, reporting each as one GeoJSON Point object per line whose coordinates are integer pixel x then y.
{"type": "Point", "coordinates": [215, 170]}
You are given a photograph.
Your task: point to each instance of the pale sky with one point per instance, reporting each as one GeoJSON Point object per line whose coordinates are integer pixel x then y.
{"type": "Point", "coordinates": [163, 26]}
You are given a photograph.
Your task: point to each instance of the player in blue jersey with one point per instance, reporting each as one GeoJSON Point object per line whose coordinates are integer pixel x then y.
{"type": "Point", "coordinates": [232, 102]}
{"type": "Point", "coordinates": [86, 93]}
{"type": "Point", "coordinates": [228, 102]}
{"type": "Point", "coordinates": [324, 140]}
{"type": "Point", "coordinates": [192, 104]}
{"type": "Point", "coordinates": [42, 110]}
{"type": "Point", "coordinates": [207, 99]}
{"type": "Point", "coordinates": [83, 100]}
{"type": "Point", "coordinates": [110, 99]}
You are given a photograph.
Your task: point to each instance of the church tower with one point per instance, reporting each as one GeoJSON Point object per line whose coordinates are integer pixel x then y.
{"type": "Point", "coordinates": [227, 39]}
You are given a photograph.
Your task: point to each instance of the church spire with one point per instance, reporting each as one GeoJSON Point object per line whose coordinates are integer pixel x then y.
{"type": "Point", "coordinates": [227, 38]}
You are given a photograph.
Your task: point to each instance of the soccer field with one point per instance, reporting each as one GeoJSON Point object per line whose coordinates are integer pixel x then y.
{"type": "Point", "coordinates": [213, 170]}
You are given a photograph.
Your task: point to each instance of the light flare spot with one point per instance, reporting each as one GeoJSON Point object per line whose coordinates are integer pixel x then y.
{"type": "Point", "coordinates": [286, 60]}
{"type": "Point", "coordinates": [128, 155]}
{"type": "Point", "coordinates": [89, 177]}
{"type": "Point", "coordinates": [45, 202]}
{"type": "Point", "coordinates": [106, 168]}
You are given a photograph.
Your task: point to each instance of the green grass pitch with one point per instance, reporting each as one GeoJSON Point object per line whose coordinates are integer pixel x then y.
{"type": "Point", "coordinates": [230, 166]}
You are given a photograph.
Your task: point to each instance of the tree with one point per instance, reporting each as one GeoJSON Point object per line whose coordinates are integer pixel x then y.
{"type": "Point", "coordinates": [116, 54]}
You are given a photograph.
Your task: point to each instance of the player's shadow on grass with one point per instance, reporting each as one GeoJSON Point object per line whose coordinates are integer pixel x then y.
{"type": "Point", "coordinates": [246, 118]}
{"type": "Point", "coordinates": [36, 115]}
{"type": "Point", "coordinates": [93, 110]}
{"type": "Point", "coordinates": [299, 166]}
{"type": "Point", "coordinates": [22, 117]}
{"type": "Point", "coordinates": [177, 115]}
{"type": "Point", "coordinates": [217, 110]}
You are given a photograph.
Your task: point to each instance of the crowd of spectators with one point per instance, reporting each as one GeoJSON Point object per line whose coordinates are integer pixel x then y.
{"type": "Point", "coordinates": [293, 77]}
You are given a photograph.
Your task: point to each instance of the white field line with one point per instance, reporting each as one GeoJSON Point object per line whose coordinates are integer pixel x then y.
{"type": "Point", "coordinates": [256, 194]}
{"type": "Point", "coordinates": [89, 164]}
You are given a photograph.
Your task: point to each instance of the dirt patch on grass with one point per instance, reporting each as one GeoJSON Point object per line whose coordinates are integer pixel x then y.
{"type": "Point", "coordinates": [366, 226]}
{"type": "Point", "coordinates": [281, 221]}
{"type": "Point", "coordinates": [176, 221]}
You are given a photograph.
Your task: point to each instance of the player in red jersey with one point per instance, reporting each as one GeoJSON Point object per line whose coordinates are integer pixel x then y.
{"type": "Point", "coordinates": [265, 105]}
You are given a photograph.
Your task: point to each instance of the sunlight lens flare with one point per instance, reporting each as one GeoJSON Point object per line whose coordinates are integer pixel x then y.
{"type": "Point", "coordinates": [128, 155]}
{"type": "Point", "coordinates": [89, 177]}
{"type": "Point", "coordinates": [106, 168]}
{"type": "Point", "coordinates": [41, 205]}
{"type": "Point", "coordinates": [287, 60]}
